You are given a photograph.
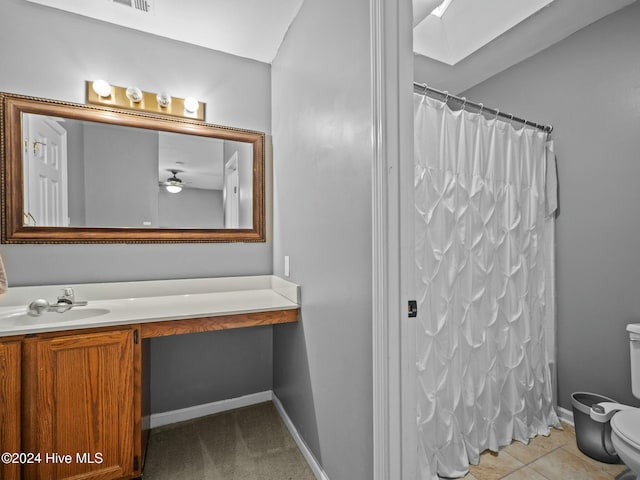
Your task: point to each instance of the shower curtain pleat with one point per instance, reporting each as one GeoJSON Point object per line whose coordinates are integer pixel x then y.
{"type": "Point", "coordinates": [484, 218]}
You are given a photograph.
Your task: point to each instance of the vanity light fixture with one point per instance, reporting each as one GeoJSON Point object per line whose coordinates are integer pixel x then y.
{"type": "Point", "coordinates": [100, 92]}
{"type": "Point", "coordinates": [102, 88]}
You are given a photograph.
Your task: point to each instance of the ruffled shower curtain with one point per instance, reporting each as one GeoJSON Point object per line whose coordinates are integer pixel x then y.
{"type": "Point", "coordinates": [485, 197]}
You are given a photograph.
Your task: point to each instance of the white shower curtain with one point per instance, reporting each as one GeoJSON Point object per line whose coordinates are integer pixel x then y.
{"type": "Point", "coordinates": [485, 197]}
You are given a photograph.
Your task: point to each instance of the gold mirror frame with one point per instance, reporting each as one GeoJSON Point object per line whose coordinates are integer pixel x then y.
{"type": "Point", "coordinates": [14, 231]}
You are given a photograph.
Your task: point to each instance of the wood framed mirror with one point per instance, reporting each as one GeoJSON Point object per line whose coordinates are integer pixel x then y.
{"type": "Point", "coordinates": [89, 174]}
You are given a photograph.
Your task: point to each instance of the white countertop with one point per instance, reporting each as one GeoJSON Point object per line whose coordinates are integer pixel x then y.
{"type": "Point", "coordinates": [139, 302]}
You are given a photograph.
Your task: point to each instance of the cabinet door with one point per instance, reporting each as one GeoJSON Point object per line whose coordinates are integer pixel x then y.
{"type": "Point", "coordinates": [79, 406]}
{"type": "Point", "coordinates": [9, 405]}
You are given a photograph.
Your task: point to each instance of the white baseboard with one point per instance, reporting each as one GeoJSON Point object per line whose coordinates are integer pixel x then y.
{"type": "Point", "coordinates": [197, 411]}
{"type": "Point", "coordinates": [565, 415]}
{"type": "Point", "coordinates": [315, 467]}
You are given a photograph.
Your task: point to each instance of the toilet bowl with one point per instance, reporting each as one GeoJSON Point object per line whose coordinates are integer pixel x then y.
{"type": "Point", "coordinates": [625, 436]}
{"type": "Point", "coordinates": [624, 419]}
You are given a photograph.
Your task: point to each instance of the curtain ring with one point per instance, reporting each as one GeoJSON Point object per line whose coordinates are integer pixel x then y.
{"type": "Point", "coordinates": [446, 96]}
{"type": "Point", "coordinates": [497, 113]}
{"type": "Point", "coordinates": [426, 87]}
{"type": "Point", "coordinates": [481, 107]}
{"type": "Point", "coordinates": [464, 103]}
{"type": "Point", "coordinates": [511, 119]}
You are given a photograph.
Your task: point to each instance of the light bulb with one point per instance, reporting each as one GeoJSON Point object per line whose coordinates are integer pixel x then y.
{"type": "Point", "coordinates": [102, 88]}
{"type": "Point", "coordinates": [191, 105]}
{"type": "Point", "coordinates": [134, 94]}
{"type": "Point", "coordinates": [173, 188]}
{"type": "Point", "coordinates": [164, 99]}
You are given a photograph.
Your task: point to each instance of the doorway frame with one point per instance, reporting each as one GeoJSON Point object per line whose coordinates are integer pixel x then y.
{"type": "Point", "coordinates": [394, 432]}
{"type": "Point", "coordinates": [231, 201]}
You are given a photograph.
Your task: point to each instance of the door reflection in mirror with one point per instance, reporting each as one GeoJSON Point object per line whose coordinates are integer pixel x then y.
{"type": "Point", "coordinates": [45, 172]}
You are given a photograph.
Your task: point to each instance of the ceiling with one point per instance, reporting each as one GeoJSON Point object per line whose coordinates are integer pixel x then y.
{"type": "Point", "coordinates": [470, 42]}
{"type": "Point", "coordinates": [199, 160]}
{"type": "Point", "coordinates": [467, 25]}
{"type": "Point", "coordinates": [247, 28]}
{"type": "Point", "coordinates": [474, 40]}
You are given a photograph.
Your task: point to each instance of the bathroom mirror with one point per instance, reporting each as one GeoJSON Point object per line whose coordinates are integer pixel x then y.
{"type": "Point", "coordinates": [88, 174]}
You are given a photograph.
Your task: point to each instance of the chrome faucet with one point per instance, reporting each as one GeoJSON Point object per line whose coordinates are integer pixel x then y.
{"type": "Point", "coordinates": [68, 296]}
{"type": "Point", "coordinates": [65, 302]}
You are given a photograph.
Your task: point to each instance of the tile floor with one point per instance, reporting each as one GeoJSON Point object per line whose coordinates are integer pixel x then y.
{"type": "Point", "coordinates": [555, 457]}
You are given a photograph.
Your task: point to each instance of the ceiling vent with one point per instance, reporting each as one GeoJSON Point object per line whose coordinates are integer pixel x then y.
{"type": "Point", "coordinates": [141, 5]}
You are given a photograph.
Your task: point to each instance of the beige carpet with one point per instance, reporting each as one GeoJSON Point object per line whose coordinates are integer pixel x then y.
{"type": "Point", "coordinates": [250, 443]}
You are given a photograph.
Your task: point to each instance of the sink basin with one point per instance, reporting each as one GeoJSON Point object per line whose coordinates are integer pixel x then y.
{"type": "Point", "coordinates": [18, 316]}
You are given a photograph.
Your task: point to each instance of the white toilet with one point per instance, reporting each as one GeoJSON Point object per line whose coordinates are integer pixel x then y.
{"type": "Point", "coordinates": [625, 436]}
{"type": "Point", "coordinates": [625, 420]}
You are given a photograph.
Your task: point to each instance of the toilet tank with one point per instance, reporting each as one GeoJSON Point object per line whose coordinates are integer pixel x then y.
{"type": "Point", "coordinates": [634, 350]}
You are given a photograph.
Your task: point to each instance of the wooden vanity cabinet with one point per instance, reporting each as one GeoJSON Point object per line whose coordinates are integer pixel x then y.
{"type": "Point", "coordinates": [80, 398]}
{"type": "Point", "coordinates": [10, 405]}
{"type": "Point", "coordinates": [77, 402]}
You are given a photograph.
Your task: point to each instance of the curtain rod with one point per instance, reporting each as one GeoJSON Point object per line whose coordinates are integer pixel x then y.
{"type": "Point", "coordinates": [424, 89]}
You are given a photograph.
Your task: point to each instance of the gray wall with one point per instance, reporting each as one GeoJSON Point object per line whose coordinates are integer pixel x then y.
{"type": "Point", "coordinates": [191, 208]}
{"type": "Point", "coordinates": [322, 220]}
{"type": "Point", "coordinates": [120, 176]}
{"type": "Point", "coordinates": [179, 368]}
{"type": "Point", "coordinates": [48, 53]}
{"type": "Point", "coordinates": [75, 170]}
{"type": "Point", "coordinates": [588, 87]}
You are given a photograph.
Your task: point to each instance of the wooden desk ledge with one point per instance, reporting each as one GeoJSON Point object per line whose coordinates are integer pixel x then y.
{"type": "Point", "coordinates": [222, 322]}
